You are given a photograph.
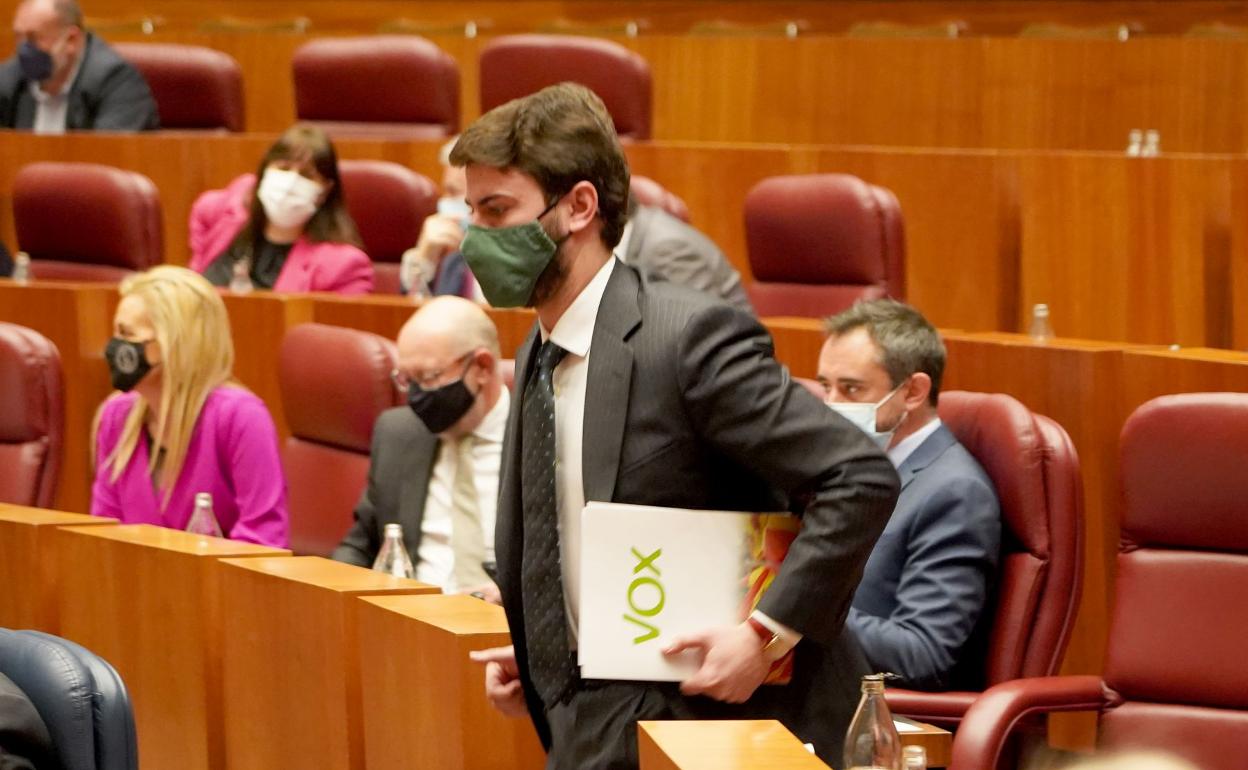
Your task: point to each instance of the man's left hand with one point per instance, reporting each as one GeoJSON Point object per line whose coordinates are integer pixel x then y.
{"type": "Point", "coordinates": [732, 667]}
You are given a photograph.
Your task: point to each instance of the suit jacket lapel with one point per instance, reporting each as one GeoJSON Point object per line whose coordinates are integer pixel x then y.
{"type": "Point", "coordinates": [419, 455]}
{"type": "Point", "coordinates": [607, 385]}
{"type": "Point", "coordinates": [509, 530]}
{"type": "Point", "coordinates": [931, 448]}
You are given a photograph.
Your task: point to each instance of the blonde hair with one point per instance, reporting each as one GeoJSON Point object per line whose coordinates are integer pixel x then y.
{"type": "Point", "coordinates": [197, 356]}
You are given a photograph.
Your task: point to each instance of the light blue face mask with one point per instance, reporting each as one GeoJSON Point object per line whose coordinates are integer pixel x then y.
{"type": "Point", "coordinates": [457, 209]}
{"type": "Point", "coordinates": [864, 417]}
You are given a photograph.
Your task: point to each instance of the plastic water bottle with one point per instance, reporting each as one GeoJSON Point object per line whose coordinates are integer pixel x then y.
{"type": "Point", "coordinates": [1135, 143]}
{"type": "Point", "coordinates": [1041, 329]}
{"type": "Point", "coordinates": [21, 268]}
{"type": "Point", "coordinates": [392, 559]}
{"type": "Point", "coordinates": [203, 520]}
{"type": "Point", "coordinates": [1152, 143]}
{"type": "Point", "coordinates": [872, 742]}
{"type": "Point", "coordinates": [914, 758]}
{"type": "Point", "coordinates": [240, 281]}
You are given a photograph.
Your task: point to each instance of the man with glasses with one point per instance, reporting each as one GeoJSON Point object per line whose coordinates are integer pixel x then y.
{"type": "Point", "coordinates": [434, 463]}
{"type": "Point", "coordinates": [63, 78]}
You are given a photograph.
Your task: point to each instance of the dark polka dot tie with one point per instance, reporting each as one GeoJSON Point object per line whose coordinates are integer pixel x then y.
{"type": "Point", "coordinates": [546, 632]}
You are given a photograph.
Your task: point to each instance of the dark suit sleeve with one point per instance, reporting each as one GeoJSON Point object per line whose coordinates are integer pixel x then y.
{"type": "Point", "coordinates": [125, 102]}
{"type": "Point", "coordinates": [951, 549]}
{"type": "Point", "coordinates": [745, 404]}
{"type": "Point", "coordinates": [363, 540]}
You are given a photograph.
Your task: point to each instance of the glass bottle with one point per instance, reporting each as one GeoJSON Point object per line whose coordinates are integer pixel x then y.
{"type": "Point", "coordinates": [392, 559]}
{"type": "Point", "coordinates": [203, 520]}
{"type": "Point", "coordinates": [21, 268]}
{"type": "Point", "coordinates": [1152, 143]}
{"type": "Point", "coordinates": [1041, 329]}
{"type": "Point", "coordinates": [914, 758]}
{"type": "Point", "coordinates": [240, 280]}
{"type": "Point", "coordinates": [872, 742]}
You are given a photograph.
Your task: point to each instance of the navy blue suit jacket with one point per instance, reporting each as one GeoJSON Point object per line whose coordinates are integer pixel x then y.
{"type": "Point", "coordinates": [926, 583]}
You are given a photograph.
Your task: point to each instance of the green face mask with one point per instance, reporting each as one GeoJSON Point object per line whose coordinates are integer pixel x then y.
{"type": "Point", "coordinates": [507, 261]}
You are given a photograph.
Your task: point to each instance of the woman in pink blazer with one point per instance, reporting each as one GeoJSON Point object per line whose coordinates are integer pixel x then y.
{"type": "Point", "coordinates": [290, 232]}
{"type": "Point", "coordinates": [180, 425]}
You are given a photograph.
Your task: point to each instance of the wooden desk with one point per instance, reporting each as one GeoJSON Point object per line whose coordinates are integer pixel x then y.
{"type": "Point", "coordinates": [426, 705]}
{"type": "Point", "coordinates": [722, 745]}
{"type": "Point", "coordinates": [78, 318]}
{"type": "Point", "coordinates": [386, 315]}
{"type": "Point", "coordinates": [149, 601]}
{"type": "Point", "coordinates": [28, 565]}
{"type": "Point", "coordinates": [290, 661]}
{"type": "Point", "coordinates": [936, 741]}
{"type": "Point", "coordinates": [1148, 374]}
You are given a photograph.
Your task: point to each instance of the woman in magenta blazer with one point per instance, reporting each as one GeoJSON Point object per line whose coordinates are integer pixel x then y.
{"type": "Point", "coordinates": [180, 425]}
{"type": "Point", "coordinates": [291, 232]}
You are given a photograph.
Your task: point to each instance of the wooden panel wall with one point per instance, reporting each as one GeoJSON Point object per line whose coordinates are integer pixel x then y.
{"type": "Point", "coordinates": [997, 17]}
{"type": "Point", "coordinates": [1008, 93]}
{"type": "Point", "coordinates": [1135, 249]}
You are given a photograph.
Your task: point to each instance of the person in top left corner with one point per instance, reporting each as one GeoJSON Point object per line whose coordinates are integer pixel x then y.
{"type": "Point", "coordinates": [64, 78]}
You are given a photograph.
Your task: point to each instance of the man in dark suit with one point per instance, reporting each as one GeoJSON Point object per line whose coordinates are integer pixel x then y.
{"type": "Point", "coordinates": [654, 394]}
{"type": "Point", "coordinates": [919, 611]}
{"type": "Point", "coordinates": [434, 463]}
{"type": "Point", "coordinates": [63, 78]}
{"type": "Point", "coordinates": [661, 246]}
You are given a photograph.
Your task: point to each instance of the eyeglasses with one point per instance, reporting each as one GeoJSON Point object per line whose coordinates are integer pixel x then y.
{"type": "Point", "coordinates": [403, 382]}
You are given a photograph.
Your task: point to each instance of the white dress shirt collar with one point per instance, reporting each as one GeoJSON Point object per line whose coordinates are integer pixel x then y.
{"type": "Point", "coordinates": [575, 328]}
{"type": "Point", "coordinates": [494, 424]}
{"type": "Point", "coordinates": [900, 453]}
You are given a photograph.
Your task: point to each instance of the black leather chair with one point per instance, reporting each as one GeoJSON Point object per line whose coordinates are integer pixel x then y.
{"type": "Point", "coordinates": [78, 694]}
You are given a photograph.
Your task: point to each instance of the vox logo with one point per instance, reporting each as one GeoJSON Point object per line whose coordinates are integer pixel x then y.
{"type": "Point", "coordinates": [645, 595]}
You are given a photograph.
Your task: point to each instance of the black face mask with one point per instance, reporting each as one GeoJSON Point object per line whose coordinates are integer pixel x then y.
{"type": "Point", "coordinates": [36, 64]}
{"type": "Point", "coordinates": [440, 408]}
{"type": "Point", "coordinates": [127, 363]}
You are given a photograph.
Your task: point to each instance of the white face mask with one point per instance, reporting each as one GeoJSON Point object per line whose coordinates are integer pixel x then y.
{"type": "Point", "coordinates": [455, 208]}
{"type": "Point", "coordinates": [289, 199]}
{"type": "Point", "coordinates": [864, 415]}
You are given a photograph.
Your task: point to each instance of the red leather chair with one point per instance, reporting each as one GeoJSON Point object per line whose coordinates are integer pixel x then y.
{"type": "Point", "coordinates": [818, 243]}
{"type": "Point", "coordinates": [650, 193]}
{"type": "Point", "coordinates": [334, 383]}
{"type": "Point", "coordinates": [1174, 676]}
{"type": "Point", "coordinates": [194, 87]}
{"type": "Point", "coordinates": [389, 204]}
{"type": "Point", "coordinates": [392, 86]}
{"type": "Point", "coordinates": [32, 417]}
{"type": "Point", "coordinates": [1035, 469]}
{"type": "Point", "coordinates": [518, 65]}
{"type": "Point", "coordinates": [86, 222]}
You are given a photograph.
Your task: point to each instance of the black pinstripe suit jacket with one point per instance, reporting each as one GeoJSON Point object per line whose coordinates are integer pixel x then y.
{"type": "Point", "coordinates": [686, 406]}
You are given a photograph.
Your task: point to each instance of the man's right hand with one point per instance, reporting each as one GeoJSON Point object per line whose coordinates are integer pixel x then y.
{"type": "Point", "coordinates": [502, 680]}
{"type": "Point", "coordinates": [439, 236]}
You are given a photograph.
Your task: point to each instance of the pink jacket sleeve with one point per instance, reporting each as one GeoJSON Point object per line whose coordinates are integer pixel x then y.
{"type": "Point", "coordinates": [216, 217]}
{"type": "Point", "coordinates": [256, 470]}
{"type": "Point", "coordinates": [104, 498]}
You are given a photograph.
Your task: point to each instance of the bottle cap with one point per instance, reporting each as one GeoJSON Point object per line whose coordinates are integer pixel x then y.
{"type": "Point", "coordinates": [1040, 309]}
{"type": "Point", "coordinates": [203, 498]}
{"type": "Point", "coordinates": [395, 530]}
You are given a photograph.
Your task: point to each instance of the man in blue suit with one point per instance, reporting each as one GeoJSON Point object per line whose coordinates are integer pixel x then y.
{"type": "Point", "coordinates": [919, 610]}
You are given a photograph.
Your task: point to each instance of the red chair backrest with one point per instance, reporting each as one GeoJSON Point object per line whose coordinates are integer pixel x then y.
{"type": "Point", "coordinates": [32, 417]}
{"type": "Point", "coordinates": [650, 193]}
{"type": "Point", "coordinates": [194, 87]}
{"type": "Point", "coordinates": [398, 86]}
{"type": "Point", "coordinates": [818, 243]}
{"type": "Point", "coordinates": [389, 204]}
{"type": "Point", "coordinates": [1173, 666]}
{"type": "Point", "coordinates": [115, 215]}
{"type": "Point", "coordinates": [1035, 469]}
{"type": "Point", "coordinates": [335, 382]}
{"type": "Point", "coordinates": [518, 65]}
